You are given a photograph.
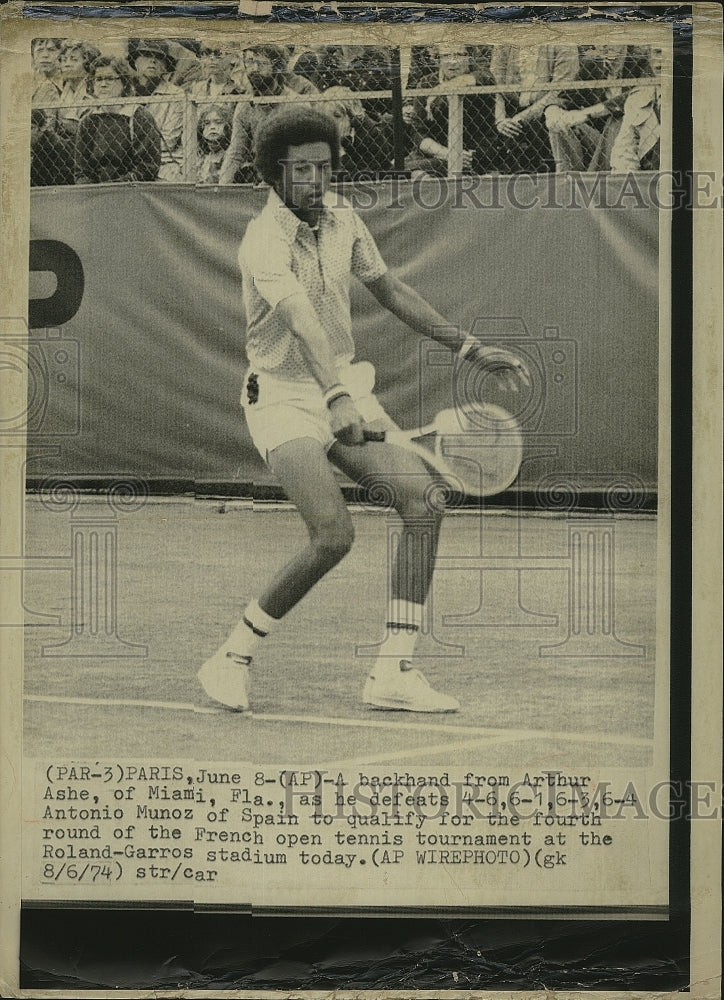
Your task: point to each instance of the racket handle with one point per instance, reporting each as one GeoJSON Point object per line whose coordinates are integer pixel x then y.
{"type": "Point", "coordinates": [370, 435]}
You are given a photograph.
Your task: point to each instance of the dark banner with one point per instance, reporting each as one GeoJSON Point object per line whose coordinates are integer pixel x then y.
{"type": "Point", "coordinates": [138, 323]}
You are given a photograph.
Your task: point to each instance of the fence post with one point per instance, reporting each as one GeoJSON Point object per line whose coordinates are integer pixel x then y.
{"type": "Point", "coordinates": [455, 135]}
{"type": "Point", "coordinates": [189, 141]}
{"type": "Point", "coordinates": [398, 122]}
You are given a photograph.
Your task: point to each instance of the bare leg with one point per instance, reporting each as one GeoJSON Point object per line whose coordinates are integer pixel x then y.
{"type": "Point", "coordinates": [407, 481]}
{"type": "Point", "coordinates": [302, 468]}
{"type": "Point", "coordinates": [304, 471]}
{"type": "Point", "coordinates": [394, 684]}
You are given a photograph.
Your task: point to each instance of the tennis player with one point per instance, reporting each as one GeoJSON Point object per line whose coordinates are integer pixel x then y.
{"type": "Point", "coordinates": [307, 404]}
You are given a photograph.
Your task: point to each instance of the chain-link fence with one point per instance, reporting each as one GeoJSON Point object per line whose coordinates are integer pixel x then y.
{"type": "Point", "coordinates": [483, 130]}
{"type": "Point", "coordinates": [465, 109]}
{"type": "Point", "coordinates": [506, 109]}
{"type": "Point", "coordinates": [124, 139]}
{"type": "Point", "coordinates": [225, 129]}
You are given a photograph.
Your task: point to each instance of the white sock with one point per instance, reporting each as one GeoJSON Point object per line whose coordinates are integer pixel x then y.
{"type": "Point", "coordinates": [403, 627]}
{"type": "Point", "coordinates": [254, 626]}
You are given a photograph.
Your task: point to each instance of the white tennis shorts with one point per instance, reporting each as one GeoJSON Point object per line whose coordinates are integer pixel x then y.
{"type": "Point", "coordinates": [279, 410]}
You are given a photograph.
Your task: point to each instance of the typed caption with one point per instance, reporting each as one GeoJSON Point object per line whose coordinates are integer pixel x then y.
{"type": "Point", "coordinates": [265, 836]}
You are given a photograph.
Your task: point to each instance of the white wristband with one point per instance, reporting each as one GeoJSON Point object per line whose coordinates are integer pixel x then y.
{"type": "Point", "coordinates": [334, 392]}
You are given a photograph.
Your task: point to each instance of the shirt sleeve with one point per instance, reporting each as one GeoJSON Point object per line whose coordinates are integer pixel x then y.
{"type": "Point", "coordinates": [367, 262]}
{"type": "Point", "coordinates": [265, 263]}
{"type": "Point", "coordinates": [565, 63]}
{"type": "Point", "coordinates": [239, 151]}
{"type": "Point", "coordinates": [499, 62]}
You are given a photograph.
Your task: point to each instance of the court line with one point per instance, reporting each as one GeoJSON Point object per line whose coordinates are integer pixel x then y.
{"type": "Point", "coordinates": [481, 732]}
{"type": "Point", "coordinates": [499, 739]}
{"type": "Point", "coordinates": [176, 706]}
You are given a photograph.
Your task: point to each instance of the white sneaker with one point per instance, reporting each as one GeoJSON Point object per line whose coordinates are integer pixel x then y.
{"type": "Point", "coordinates": [406, 691]}
{"type": "Point", "coordinates": [225, 678]}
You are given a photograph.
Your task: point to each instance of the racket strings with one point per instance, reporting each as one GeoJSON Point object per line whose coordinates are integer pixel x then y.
{"type": "Point", "coordinates": [481, 446]}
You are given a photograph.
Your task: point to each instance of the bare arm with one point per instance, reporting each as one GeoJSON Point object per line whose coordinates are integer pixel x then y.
{"type": "Point", "coordinates": [408, 305]}
{"type": "Point", "coordinates": [239, 151]}
{"type": "Point", "coordinates": [564, 68]}
{"type": "Point", "coordinates": [499, 107]}
{"type": "Point", "coordinates": [405, 303]}
{"type": "Point", "coordinates": [299, 315]}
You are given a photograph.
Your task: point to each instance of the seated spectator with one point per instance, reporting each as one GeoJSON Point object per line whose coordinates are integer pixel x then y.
{"type": "Point", "coordinates": [366, 146]}
{"type": "Point", "coordinates": [308, 62]}
{"type": "Point", "coordinates": [586, 132]}
{"type": "Point", "coordinates": [480, 56]}
{"type": "Point", "coordinates": [522, 117]}
{"type": "Point", "coordinates": [219, 73]}
{"type": "Point", "coordinates": [358, 67]}
{"type": "Point", "coordinates": [266, 71]}
{"type": "Point", "coordinates": [66, 95]}
{"type": "Point", "coordinates": [213, 136]}
{"type": "Point", "coordinates": [323, 65]}
{"type": "Point", "coordinates": [49, 160]}
{"type": "Point", "coordinates": [76, 59]}
{"type": "Point", "coordinates": [153, 65]}
{"type": "Point", "coordinates": [115, 141]}
{"type": "Point", "coordinates": [423, 65]}
{"type": "Point", "coordinates": [427, 117]}
{"type": "Point", "coordinates": [369, 68]}
{"type": "Point", "coordinates": [637, 144]}
{"type": "Point", "coordinates": [45, 57]}
{"type": "Point", "coordinates": [186, 54]}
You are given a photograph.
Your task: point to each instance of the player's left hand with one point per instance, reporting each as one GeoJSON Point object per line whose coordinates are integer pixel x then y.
{"type": "Point", "coordinates": [503, 364]}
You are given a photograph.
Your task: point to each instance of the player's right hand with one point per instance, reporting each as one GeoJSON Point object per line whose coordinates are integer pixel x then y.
{"type": "Point", "coordinates": [347, 424]}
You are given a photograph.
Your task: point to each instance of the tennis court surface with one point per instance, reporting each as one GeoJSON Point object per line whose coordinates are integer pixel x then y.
{"type": "Point", "coordinates": [174, 575]}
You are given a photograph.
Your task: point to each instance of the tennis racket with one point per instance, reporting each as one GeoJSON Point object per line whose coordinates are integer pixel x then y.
{"type": "Point", "coordinates": [477, 451]}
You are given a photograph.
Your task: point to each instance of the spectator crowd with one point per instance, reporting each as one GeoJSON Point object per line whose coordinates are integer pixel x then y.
{"type": "Point", "coordinates": [183, 111]}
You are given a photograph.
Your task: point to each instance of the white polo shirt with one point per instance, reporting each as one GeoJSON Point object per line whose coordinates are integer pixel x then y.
{"type": "Point", "coordinates": [279, 256]}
